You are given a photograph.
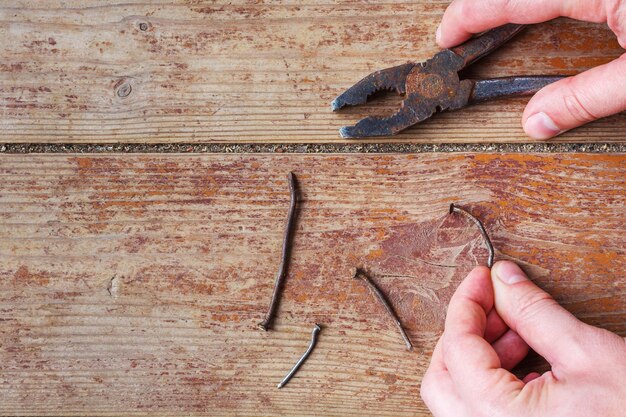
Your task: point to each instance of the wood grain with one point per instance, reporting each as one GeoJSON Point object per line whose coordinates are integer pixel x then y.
{"type": "Point", "coordinates": [133, 284]}
{"type": "Point", "coordinates": [249, 71]}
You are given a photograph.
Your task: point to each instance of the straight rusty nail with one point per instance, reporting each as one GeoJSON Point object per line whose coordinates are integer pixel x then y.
{"type": "Point", "coordinates": [483, 232]}
{"type": "Point", "coordinates": [358, 273]}
{"type": "Point", "coordinates": [295, 368]}
{"type": "Point", "coordinates": [284, 258]}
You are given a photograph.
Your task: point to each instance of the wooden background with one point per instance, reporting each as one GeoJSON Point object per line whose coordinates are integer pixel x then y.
{"type": "Point", "coordinates": [133, 284]}
{"type": "Point", "coordinates": [250, 71]}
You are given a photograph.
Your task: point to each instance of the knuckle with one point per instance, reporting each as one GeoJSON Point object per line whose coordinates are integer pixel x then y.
{"type": "Point", "coordinates": [578, 107]}
{"type": "Point", "coordinates": [446, 344]}
{"type": "Point", "coordinates": [426, 388]}
{"type": "Point", "coordinates": [430, 386]}
{"type": "Point", "coordinates": [494, 399]}
{"type": "Point", "coordinates": [531, 303]}
{"type": "Point", "coordinates": [613, 346]}
{"type": "Point", "coordinates": [616, 19]}
{"type": "Point", "coordinates": [474, 15]}
{"type": "Point", "coordinates": [507, 7]}
{"type": "Point", "coordinates": [468, 10]}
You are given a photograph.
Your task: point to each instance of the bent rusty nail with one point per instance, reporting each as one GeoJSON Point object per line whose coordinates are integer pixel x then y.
{"type": "Point", "coordinates": [483, 232]}
{"type": "Point", "coordinates": [266, 324]}
{"type": "Point", "coordinates": [358, 273]}
{"type": "Point", "coordinates": [303, 358]}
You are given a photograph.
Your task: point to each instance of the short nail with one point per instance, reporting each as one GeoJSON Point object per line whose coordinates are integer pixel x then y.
{"type": "Point", "coordinates": [509, 273]}
{"type": "Point", "coordinates": [438, 34]}
{"type": "Point", "coordinates": [541, 126]}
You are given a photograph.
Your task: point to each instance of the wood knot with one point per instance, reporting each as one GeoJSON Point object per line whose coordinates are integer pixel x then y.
{"type": "Point", "coordinates": [124, 90]}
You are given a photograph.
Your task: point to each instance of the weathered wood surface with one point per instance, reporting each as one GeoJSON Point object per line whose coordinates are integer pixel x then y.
{"type": "Point", "coordinates": [133, 284]}
{"type": "Point", "coordinates": [248, 71]}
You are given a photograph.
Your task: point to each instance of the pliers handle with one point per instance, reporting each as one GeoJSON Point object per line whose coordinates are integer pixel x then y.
{"type": "Point", "coordinates": [476, 48]}
{"type": "Point", "coordinates": [485, 90]}
{"type": "Point", "coordinates": [435, 86]}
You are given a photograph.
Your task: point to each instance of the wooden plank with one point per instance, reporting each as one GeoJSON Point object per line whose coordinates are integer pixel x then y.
{"type": "Point", "coordinates": [133, 284]}
{"type": "Point", "coordinates": [248, 71]}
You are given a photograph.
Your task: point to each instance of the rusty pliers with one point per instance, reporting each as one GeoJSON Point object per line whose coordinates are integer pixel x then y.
{"type": "Point", "coordinates": [435, 86]}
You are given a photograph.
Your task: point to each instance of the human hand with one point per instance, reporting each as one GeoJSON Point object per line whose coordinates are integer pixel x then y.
{"type": "Point", "coordinates": [491, 322]}
{"type": "Point", "coordinates": [565, 104]}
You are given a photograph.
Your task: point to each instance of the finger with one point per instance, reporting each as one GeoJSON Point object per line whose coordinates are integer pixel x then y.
{"type": "Point", "coordinates": [440, 396]}
{"type": "Point", "coordinates": [547, 327]}
{"type": "Point", "coordinates": [472, 362]}
{"type": "Point", "coordinates": [437, 389]}
{"type": "Point", "coordinates": [511, 349]}
{"type": "Point", "coordinates": [574, 101]}
{"type": "Point", "coordinates": [436, 362]}
{"type": "Point", "coordinates": [466, 17]}
{"type": "Point", "coordinates": [530, 377]}
{"type": "Point", "coordinates": [495, 327]}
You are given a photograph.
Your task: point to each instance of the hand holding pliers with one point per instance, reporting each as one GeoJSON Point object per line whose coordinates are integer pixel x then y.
{"type": "Point", "coordinates": [435, 86]}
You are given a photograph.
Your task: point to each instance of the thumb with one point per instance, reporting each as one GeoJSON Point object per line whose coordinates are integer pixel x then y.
{"type": "Point", "coordinates": [532, 313]}
{"type": "Point", "coordinates": [574, 101]}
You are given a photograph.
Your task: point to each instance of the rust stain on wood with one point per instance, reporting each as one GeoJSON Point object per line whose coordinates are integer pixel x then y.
{"type": "Point", "coordinates": [23, 277]}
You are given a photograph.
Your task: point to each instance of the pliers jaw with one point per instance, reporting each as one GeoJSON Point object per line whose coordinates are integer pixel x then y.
{"type": "Point", "coordinates": [390, 79]}
{"type": "Point", "coordinates": [372, 126]}
{"type": "Point", "coordinates": [429, 87]}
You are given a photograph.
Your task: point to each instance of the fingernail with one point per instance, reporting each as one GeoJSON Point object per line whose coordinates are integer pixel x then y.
{"type": "Point", "coordinates": [438, 34]}
{"type": "Point", "coordinates": [541, 126]}
{"type": "Point", "coordinates": [509, 273]}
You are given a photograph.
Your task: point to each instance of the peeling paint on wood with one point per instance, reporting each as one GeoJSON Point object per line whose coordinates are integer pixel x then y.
{"type": "Point", "coordinates": [132, 284]}
{"type": "Point", "coordinates": [191, 71]}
